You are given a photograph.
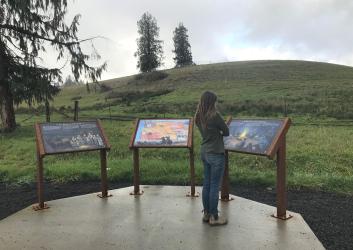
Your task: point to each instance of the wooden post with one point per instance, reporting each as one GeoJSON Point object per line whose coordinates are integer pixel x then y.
{"type": "Point", "coordinates": [76, 111]}
{"type": "Point", "coordinates": [136, 173]}
{"type": "Point", "coordinates": [104, 176]}
{"type": "Point", "coordinates": [47, 110]}
{"type": "Point", "coordinates": [110, 113]}
{"type": "Point", "coordinates": [281, 182]}
{"type": "Point", "coordinates": [225, 182]}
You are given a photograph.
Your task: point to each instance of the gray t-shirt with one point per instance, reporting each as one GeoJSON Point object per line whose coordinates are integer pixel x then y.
{"type": "Point", "coordinates": [212, 135]}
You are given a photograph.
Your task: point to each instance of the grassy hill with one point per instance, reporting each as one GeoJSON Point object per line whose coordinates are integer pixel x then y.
{"type": "Point", "coordinates": [319, 156]}
{"type": "Point", "coordinates": [259, 88]}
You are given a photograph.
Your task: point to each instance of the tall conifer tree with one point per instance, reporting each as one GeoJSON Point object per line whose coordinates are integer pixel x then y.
{"type": "Point", "coordinates": [149, 49]}
{"type": "Point", "coordinates": [28, 28]}
{"type": "Point", "coordinates": [182, 48]}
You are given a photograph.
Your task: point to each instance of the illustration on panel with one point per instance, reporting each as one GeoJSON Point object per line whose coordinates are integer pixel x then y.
{"type": "Point", "coordinates": [161, 133]}
{"type": "Point", "coordinates": [252, 136]}
{"type": "Point", "coordinates": [66, 137]}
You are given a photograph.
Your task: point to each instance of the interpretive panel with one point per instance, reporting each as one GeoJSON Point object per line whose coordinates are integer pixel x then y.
{"type": "Point", "coordinates": [162, 133]}
{"type": "Point", "coordinates": [71, 137]}
{"type": "Point", "coordinates": [252, 136]}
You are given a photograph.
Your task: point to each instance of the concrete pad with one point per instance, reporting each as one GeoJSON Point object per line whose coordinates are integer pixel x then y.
{"type": "Point", "coordinates": [162, 218]}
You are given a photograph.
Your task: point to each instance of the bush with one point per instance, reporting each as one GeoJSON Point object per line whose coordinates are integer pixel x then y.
{"type": "Point", "coordinates": [105, 88]}
{"type": "Point", "coordinates": [151, 76]}
{"type": "Point", "coordinates": [40, 108]}
{"type": "Point", "coordinates": [139, 76]}
{"type": "Point", "coordinates": [76, 98]}
{"type": "Point", "coordinates": [23, 110]}
{"type": "Point", "coordinates": [62, 108]}
{"type": "Point", "coordinates": [185, 109]}
{"type": "Point", "coordinates": [130, 96]}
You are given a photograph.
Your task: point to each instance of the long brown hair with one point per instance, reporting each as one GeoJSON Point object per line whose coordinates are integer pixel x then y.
{"type": "Point", "coordinates": [206, 108]}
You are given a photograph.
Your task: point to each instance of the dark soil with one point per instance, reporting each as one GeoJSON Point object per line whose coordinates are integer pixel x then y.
{"type": "Point", "coordinates": [329, 215]}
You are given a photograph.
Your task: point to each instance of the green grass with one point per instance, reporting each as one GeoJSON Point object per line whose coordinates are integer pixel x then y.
{"type": "Point", "coordinates": [325, 165]}
{"type": "Point", "coordinates": [249, 88]}
{"type": "Point", "coordinates": [318, 157]}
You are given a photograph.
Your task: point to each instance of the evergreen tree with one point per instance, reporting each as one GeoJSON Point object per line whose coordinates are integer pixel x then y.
{"type": "Point", "coordinates": [149, 48]}
{"type": "Point", "coordinates": [69, 81]}
{"type": "Point", "coordinates": [182, 48]}
{"type": "Point", "coordinates": [28, 27]}
{"type": "Point", "coordinates": [87, 88]}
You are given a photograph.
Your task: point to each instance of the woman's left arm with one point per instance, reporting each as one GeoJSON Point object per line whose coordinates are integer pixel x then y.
{"type": "Point", "coordinates": [223, 127]}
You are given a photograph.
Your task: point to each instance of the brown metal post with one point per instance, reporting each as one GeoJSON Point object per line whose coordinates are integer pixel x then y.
{"type": "Point", "coordinates": [136, 172]}
{"type": "Point", "coordinates": [192, 192]}
{"type": "Point", "coordinates": [192, 173]}
{"type": "Point", "coordinates": [104, 176]}
{"type": "Point", "coordinates": [40, 176]}
{"type": "Point", "coordinates": [40, 182]}
{"type": "Point", "coordinates": [281, 182]}
{"type": "Point", "coordinates": [76, 111]}
{"type": "Point", "coordinates": [225, 182]}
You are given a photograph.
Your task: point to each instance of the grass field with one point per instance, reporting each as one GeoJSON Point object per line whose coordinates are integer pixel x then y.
{"type": "Point", "coordinates": [319, 156]}
{"type": "Point", "coordinates": [250, 87]}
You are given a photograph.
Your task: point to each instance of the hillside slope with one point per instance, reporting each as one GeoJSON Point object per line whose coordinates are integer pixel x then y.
{"type": "Point", "coordinates": [318, 156]}
{"type": "Point", "coordinates": [260, 88]}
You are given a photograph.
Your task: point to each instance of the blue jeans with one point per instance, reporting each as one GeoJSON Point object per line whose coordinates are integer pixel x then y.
{"type": "Point", "coordinates": [213, 172]}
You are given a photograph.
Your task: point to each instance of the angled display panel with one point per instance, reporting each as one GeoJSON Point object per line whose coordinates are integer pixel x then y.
{"type": "Point", "coordinates": [253, 136]}
{"type": "Point", "coordinates": [162, 133]}
{"type": "Point", "coordinates": [71, 137]}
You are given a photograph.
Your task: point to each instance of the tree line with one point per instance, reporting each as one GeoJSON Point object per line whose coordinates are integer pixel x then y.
{"type": "Point", "coordinates": [149, 48]}
{"type": "Point", "coordinates": [28, 28]}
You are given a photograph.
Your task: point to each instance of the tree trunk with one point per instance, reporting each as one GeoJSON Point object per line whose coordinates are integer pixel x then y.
{"type": "Point", "coordinates": [7, 111]}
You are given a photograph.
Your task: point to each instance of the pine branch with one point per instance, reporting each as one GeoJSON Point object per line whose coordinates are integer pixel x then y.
{"type": "Point", "coordinates": [35, 35]}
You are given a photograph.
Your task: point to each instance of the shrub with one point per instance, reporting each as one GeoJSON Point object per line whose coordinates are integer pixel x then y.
{"type": "Point", "coordinates": [151, 76]}
{"type": "Point", "coordinates": [76, 98]}
{"type": "Point", "coordinates": [23, 110]}
{"type": "Point", "coordinates": [62, 108]}
{"type": "Point", "coordinates": [129, 96]}
{"type": "Point", "coordinates": [105, 88]}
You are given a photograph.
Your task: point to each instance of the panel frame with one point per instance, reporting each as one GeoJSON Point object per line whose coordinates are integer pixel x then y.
{"type": "Point", "coordinates": [136, 162]}
{"type": "Point", "coordinates": [41, 154]}
{"type": "Point", "coordinates": [273, 147]}
{"type": "Point", "coordinates": [189, 142]}
{"type": "Point", "coordinates": [41, 146]}
{"type": "Point", "coordinates": [277, 147]}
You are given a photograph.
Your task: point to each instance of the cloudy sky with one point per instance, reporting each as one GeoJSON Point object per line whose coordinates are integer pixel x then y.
{"type": "Point", "coordinates": [222, 30]}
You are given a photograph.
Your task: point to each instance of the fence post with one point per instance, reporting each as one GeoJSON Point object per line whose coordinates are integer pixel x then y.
{"type": "Point", "coordinates": [47, 110]}
{"type": "Point", "coordinates": [76, 111]}
{"type": "Point", "coordinates": [110, 113]}
{"type": "Point", "coordinates": [87, 88]}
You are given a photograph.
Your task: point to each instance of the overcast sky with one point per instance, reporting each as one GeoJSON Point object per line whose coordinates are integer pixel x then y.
{"type": "Point", "coordinates": [222, 30]}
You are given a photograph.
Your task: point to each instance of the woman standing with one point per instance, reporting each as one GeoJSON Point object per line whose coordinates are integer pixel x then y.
{"type": "Point", "coordinates": [212, 128]}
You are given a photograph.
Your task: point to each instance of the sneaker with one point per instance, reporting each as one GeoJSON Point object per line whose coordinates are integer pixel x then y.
{"type": "Point", "coordinates": [217, 222]}
{"type": "Point", "coordinates": [206, 217]}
